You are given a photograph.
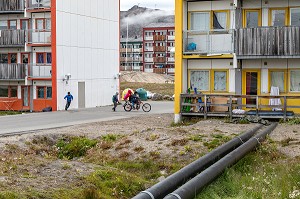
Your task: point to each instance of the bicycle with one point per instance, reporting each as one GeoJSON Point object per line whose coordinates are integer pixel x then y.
{"type": "Point", "coordinates": [146, 107]}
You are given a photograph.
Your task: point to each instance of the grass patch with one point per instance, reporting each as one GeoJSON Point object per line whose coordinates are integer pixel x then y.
{"type": "Point", "coordinates": [164, 89]}
{"type": "Point", "coordinates": [262, 174]}
{"type": "Point", "coordinates": [3, 113]}
{"type": "Point", "coordinates": [74, 147]}
{"type": "Point", "coordinates": [110, 137]}
{"type": "Point", "coordinates": [217, 141]}
{"type": "Point", "coordinates": [287, 141]}
{"type": "Point", "coordinates": [196, 138]}
{"type": "Point", "coordinates": [186, 122]}
{"type": "Point", "coordinates": [293, 121]}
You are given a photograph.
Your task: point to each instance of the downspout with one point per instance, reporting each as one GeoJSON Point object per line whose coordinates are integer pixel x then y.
{"type": "Point", "coordinates": [168, 185]}
{"type": "Point", "coordinates": [195, 185]}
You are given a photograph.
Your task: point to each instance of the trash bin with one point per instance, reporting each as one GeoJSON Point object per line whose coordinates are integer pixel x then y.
{"type": "Point", "coordinates": [142, 94]}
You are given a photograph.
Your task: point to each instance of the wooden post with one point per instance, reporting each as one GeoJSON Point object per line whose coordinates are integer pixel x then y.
{"type": "Point", "coordinates": [284, 107]}
{"type": "Point", "coordinates": [230, 108]}
{"type": "Point", "coordinates": [257, 105]}
{"type": "Point", "coordinates": [205, 107]}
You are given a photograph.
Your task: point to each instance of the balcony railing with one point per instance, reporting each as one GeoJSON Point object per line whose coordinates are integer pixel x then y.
{"type": "Point", "coordinates": [40, 71]}
{"type": "Point", "coordinates": [159, 48]}
{"type": "Point", "coordinates": [11, 38]}
{"type": "Point", "coordinates": [268, 41]}
{"type": "Point", "coordinates": [208, 42]}
{"type": "Point", "coordinates": [159, 37]}
{"type": "Point", "coordinates": [38, 4]}
{"type": "Point", "coordinates": [13, 71]}
{"type": "Point", "coordinates": [39, 37]}
{"type": "Point", "coordinates": [159, 59]}
{"type": "Point", "coordinates": [11, 6]}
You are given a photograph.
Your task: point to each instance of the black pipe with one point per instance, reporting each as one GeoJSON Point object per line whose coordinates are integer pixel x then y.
{"type": "Point", "coordinates": [169, 184]}
{"type": "Point", "coordinates": [190, 189]}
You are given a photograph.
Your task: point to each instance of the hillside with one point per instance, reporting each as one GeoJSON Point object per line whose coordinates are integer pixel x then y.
{"type": "Point", "coordinates": [138, 17]}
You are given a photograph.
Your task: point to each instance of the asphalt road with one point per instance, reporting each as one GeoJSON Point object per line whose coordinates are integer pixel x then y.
{"type": "Point", "coordinates": [29, 122]}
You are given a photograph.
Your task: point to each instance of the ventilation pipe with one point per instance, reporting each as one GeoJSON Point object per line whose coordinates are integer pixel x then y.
{"type": "Point", "coordinates": [169, 184]}
{"type": "Point", "coordinates": [190, 189]}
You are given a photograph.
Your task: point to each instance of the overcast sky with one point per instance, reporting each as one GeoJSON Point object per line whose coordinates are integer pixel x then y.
{"type": "Point", "coordinates": [159, 4]}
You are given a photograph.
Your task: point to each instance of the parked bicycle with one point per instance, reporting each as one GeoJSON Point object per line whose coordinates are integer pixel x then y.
{"type": "Point", "coordinates": [146, 107]}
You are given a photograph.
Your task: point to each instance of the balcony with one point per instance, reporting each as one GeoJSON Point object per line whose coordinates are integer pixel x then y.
{"type": "Point", "coordinates": [38, 4]}
{"type": "Point", "coordinates": [159, 37]}
{"type": "Point", "coordinates": [148, 59]}
{"type": "Point", "coordinates": [39, 37]}
{"type": "Point", "coordinates": [40, 71]}
{"type": "Point", "coordinates": [13, 71]}
{"type": "Point", "coordinates": [171, 37]}
{"type": "Point", "coordinates": [171, 59]}
{"type": "Point", "coordinates": [159, 59]}
{"type": "Point", "coordinates": [268, 42]}
{"type": "Point", "coordinates": [159, 49]}
{"type": "Point", "coordinates": [210, 42]}
{"type": "Point", "coordinates": [12, 6]}
{"type": "Point", "coordinates": [12, 38]}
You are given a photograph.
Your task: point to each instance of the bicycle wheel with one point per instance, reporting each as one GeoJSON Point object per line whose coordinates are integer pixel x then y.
{"type": "Point", "coordinates": [146, 107]}
{"type": "Point", "coordinates": [127, 107]}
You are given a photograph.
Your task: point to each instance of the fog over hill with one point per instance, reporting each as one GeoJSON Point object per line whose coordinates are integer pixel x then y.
{"type": "Point", "coordinates": [138, 17]}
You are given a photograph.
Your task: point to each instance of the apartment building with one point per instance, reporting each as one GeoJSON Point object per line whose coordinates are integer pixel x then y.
{"type": "Point", "coordinates": [131, 54]}
{"type": "Point", "coordinates": [51, 47]}
{"type": "Point", "coordinates": [158, 42]}
{"type": "Point", "coordinates": [238, 47]}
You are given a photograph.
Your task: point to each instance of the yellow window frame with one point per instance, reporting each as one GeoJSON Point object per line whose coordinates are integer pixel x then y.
{"type": "Point", "coordinates": [209, 81]}
{"type": "Point", "coordinates": [286, 15]}
{"type": "Point", "coordinates": [289, 81]}
{"type": "Point", "coordinates": [251, 10]}
{"type": "Point", "coordinates": [284, 81]}
{"type": "Point", "coordinates": [211, 12]}
{"type": "Point", "coordinates": [212, 80]}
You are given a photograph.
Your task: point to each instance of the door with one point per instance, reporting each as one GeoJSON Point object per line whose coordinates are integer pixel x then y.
{"type": "Point", "coordinates": [251, 86]}
{"type": "Point", "coordinates": [25, 96]}
{"type": "Point", "coordinates": [81, 94]}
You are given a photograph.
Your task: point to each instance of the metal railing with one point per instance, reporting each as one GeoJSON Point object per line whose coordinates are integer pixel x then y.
{"type": "Point", "coordinates": [208, 42]}
{"type": "Point", "coordinates": [40, 71]}
{"type": "Point", "coordinates": [12, 38]}
{"type": "Point", "coordinates": [13, 71]}
{"type": "Point", "coordinates": [38, 36]}
{"type": "Point", "coordinates": [12, 5]}
{"type": "Point", "coordinates": [190, 105]}
{"type": "Point", "coordinates": [38, 4]}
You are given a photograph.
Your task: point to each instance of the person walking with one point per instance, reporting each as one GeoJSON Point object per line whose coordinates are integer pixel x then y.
{"type": "Point", "coordinates": [115, 100]}
{"type": "Point", "coordinates": [69, 99]}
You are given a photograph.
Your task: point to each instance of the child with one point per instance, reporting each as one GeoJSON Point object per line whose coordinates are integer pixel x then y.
{"type": "Point", "coordinates": [115, 100]}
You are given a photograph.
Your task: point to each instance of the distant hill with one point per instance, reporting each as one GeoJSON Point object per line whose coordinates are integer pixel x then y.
{"type": "Point", "coordinates": [138, 17]}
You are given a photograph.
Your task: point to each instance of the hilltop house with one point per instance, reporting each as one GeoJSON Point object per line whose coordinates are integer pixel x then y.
{"type": "Point", "coordinates": [239, 47]}
{"type": "Point", "coordinates": [50, 47]}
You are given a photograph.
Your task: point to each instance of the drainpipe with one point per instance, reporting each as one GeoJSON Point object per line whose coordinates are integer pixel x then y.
{"type": "Point", "coordinates": [169, 184]}
{"type": "Point", "coordinates": [190, 189]}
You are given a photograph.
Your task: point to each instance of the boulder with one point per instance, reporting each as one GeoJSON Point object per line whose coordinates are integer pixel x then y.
{"type": "Point", "coordinates": [157, 97]}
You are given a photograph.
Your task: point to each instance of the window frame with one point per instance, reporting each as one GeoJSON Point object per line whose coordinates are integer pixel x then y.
{"type": "Point", "coordinates": [286, 23]}
{"type": "Point", "coordinates": [289, 80]}
{"type": "Point", "coordinates": [290, 16]}
{"type": "Point", "coordinates": [245, 11]}
{"type": "Point", "coordinates": [213, 80]}
{"type": "Point", "coordinates": [284, 81]}
{"type": "Point", "coordinates": [199, 70]}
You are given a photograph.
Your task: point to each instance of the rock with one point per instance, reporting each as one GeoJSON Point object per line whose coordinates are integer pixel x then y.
{"type": "Point", "coordinates": [167, 97]}
{"type": "Point", "coordinates": [161, 178]}
{"type": "Point", "coordinates": [157, 97]}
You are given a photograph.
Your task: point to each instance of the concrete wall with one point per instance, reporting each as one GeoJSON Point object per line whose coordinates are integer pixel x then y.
{"type": "Point", "coordinates": [88, 49]}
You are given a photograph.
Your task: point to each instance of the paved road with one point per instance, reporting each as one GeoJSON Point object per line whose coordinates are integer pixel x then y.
{"type": "Point", "coordinates": [35, 121]}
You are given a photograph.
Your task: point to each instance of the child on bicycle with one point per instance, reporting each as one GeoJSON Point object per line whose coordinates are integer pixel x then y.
{"type": "Point", "coordinates": [134, 99]}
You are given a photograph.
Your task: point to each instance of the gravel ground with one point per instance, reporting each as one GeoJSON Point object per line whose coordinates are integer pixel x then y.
{"type": "Point", "coordinates": [138, 137]}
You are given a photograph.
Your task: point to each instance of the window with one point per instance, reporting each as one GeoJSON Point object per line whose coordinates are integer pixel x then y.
{"type": "Point", "coordinates": [200, 21]}
{"type": "Point", "coordinates": [295, 80]}
{"type": "Point", "coordinates": [278, 17]}
{"type": "Point", "coordinates": [295, 16]}
{"type": "Point", "coordinates": [43, 58]}
{"type": "Point", "coordinates": [13, 91]}
{"type": "Point", "coordinates": [41, 92]}
{"type": "Point", "coordinates": [3, 25]}
{"type": "Point", "coordinates": [49, 58]}
{"type": "Point", "coordinates": [220, 20]}
{"type": "Point", "coordinates": [12, 58]}
{"type": "Point", "coordinates": [49, 92]}
{"type": "Point", "coordinates": [252, 18]}
{"type": "Point", "coordinates": [40, 58]}
{"type": "Point", "coordinates": [12, 24]}
{"type": "Point", "coordinates": [220, 80]}
{"type": "Point", "coordinates": [43, 24]}
{"type": "Point", "coordinates": [3, 91]}
{"type": "Point", "coordinates": [4, 58]}
{"type": "Point", "coordinates": [277, 80]}
{"type": "Point", "coordinates": [200, 80]}
{"type": "Point", "coordinates": [48, 24]}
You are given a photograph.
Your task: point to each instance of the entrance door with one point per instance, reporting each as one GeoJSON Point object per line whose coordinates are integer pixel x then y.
{"type": "Point", "coordinates": [251, 86]}
{"type": "Point", "coordinates": [25, 96]}
{"type": "Point", "coordinates": [81, 94]}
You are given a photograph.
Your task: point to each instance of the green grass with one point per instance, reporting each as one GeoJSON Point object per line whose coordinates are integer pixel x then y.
{"type": "Point", "coordinates": [218, 139]}
{"type": "Point", "coordinates": [264, 174]}
{"type": "Point", "coordinates": [164, 89]}
{"type": "Point", "coordinates": [3, 113]}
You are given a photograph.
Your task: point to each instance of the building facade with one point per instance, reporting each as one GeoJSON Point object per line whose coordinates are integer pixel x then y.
{"type": "Point", "coordinates": [131, 54]}
{"type": "Point", "coordinates": [237, 47]}
{"type": "Point", "coordinates": [51, 47]}
{"type": "Point", "coordinates": [158, 42]}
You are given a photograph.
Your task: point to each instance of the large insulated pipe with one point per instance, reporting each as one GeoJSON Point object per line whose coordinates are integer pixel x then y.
{"type": "Point", "coordinates": [169, 184]}
{"type": "Point", "coordinates": [190, 189]}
